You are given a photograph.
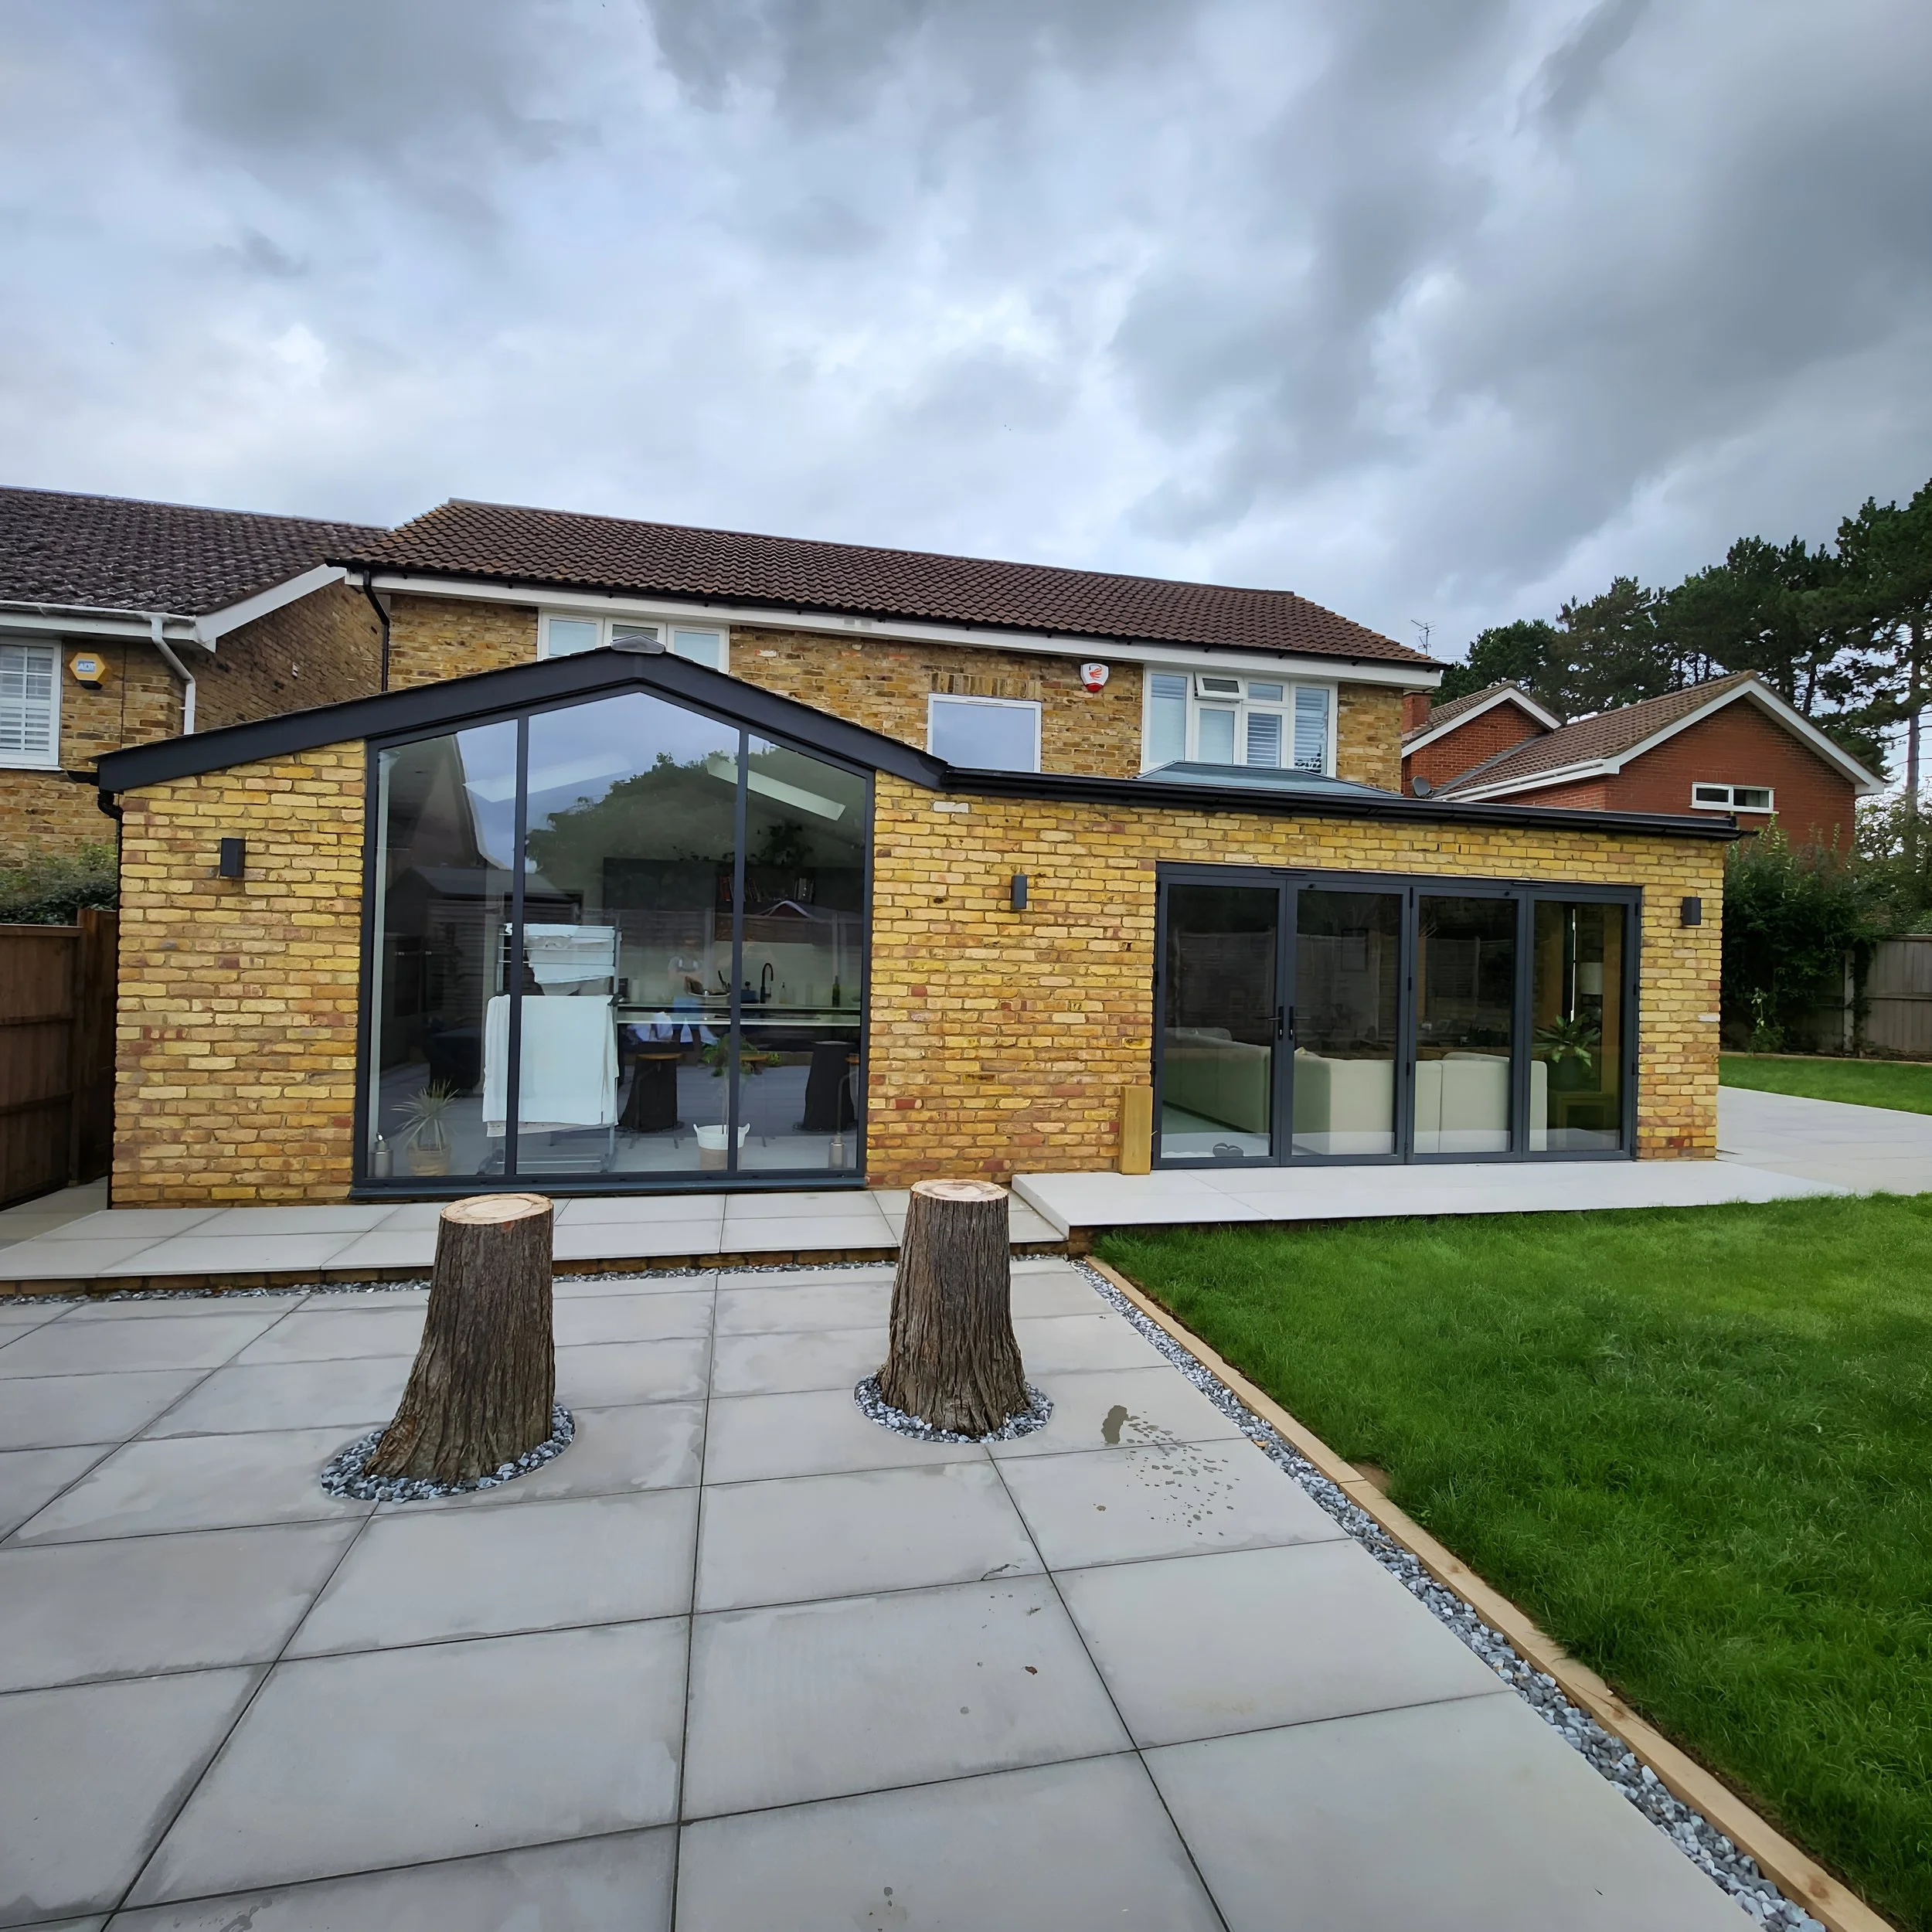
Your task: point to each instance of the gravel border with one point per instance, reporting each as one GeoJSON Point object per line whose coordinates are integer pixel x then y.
{"type": "Point", "coordinates": [875, 1408]}
{"type": "Point", "coordinates": [344, 1477]}
{"type": "Point", "coordinates": [1736, 1872]}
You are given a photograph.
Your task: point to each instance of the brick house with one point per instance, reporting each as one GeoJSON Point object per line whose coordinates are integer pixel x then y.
{"type": "Point", "coordinates": [675, 858]}
{"type": "Point", "coordinates": [1732, 745]}
{"type": "Point", "coordinates": [122, 622]}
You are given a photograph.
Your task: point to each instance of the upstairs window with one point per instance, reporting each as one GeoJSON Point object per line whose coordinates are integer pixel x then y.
{"type": "Point", "coordinates": [1733, 797]}
{"type": "Point", "coordinates": [30, 705]}
{"type": "Point", "coordinates": [564, 636]}
{"type": "Point", "coordinates": [1212, 717]}
{"type": "Point", "coordinates": [984, 734]}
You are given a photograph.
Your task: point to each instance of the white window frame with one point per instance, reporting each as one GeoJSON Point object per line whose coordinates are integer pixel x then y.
{"type": "Point", "coordinates": [936, 699]}
{"type": "Point", "coordinates": [49, 760]}
{"type": "Point", "coordinates": [1728, 800]}
{"type": "Point", "coordinates": [1242, 704]}
{"type": "Point", "coordinates": [664, 626]}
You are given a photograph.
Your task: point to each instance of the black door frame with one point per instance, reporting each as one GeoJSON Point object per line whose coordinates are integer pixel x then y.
{"type": "Point", "coordinates": [1288, 883]}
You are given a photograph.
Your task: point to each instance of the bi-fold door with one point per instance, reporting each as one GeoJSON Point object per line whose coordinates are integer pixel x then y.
{"type": "Point", "coordinates": [1313, 1017]}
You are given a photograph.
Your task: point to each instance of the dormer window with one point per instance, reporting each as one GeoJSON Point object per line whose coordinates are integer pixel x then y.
{"type": "Point", "coordinates": [1213, 718]}
{"type": "Point", "coordinates": [564, 634]}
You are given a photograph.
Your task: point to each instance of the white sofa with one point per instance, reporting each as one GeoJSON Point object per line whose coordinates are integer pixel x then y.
{"type": "Point", "coordinates": [1462, 1104]}
{"type": "Point", "coordinates": [1344, 1106]}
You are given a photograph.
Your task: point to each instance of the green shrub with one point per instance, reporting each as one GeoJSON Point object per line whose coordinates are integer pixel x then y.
{"type": "Point", "coordinates": [52, 886]}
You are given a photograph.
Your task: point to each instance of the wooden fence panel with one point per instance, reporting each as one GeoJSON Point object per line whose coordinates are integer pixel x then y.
{"type": "Point", "coordinates": [1900, 991]}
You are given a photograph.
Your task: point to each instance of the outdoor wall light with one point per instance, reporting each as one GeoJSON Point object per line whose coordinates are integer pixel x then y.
{"type": "Point", "coordinates": [1019, 900]}
{"type": "Point", "coordinates": [1692, 911]}
{"type": "Point", "coordinates": [234, 857]}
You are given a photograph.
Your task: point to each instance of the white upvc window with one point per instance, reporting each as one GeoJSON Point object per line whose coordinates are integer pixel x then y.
{"type": "Point", "coordinates": [1732, 798]}
{"type": "Point", "coordinates": [984, 734]}
{"type": "Point", "coordinates": [563, 634]}
{"type": "Point", "coordinates": [1215, 718]}
{"type": "Point", "coordinates": [30, 706]}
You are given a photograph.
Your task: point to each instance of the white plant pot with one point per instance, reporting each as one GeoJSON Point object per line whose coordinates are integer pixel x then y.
{"type": "Point", "coordinates": [712, 1143]}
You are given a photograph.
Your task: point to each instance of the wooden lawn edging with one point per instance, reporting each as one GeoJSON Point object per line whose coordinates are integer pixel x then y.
{"type": "Point", "coordinates": [1796, 1873]}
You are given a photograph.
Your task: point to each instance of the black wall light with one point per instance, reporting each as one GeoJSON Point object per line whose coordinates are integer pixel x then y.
{"type": "Point", "coordinates": [1692, 913]}
{"type": "Point", "coordinates": [1019, 892]}
{"type": "Point", "coordinates": [234, 857]}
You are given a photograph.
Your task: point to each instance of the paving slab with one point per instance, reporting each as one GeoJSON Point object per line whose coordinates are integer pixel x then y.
{"type": "Point", "coordinates": [1117, 1409]}
{"type": "Point", "coordinates": [1059, 1343]}
{"type": "Point", "coordinates": [1123, 1505]}
{"type": "Point", "coordinates": [1202, 1646]}
{"type": "Point", "coordinates": [72, 1613]}
{"type": "Point", "coordinates": [47, 1258]}
{"type": "Point", "coordinates": [628, 1240]}
{"type": "Point", "coordinates": [758, 1365]}
{"type": "Point", "coordinates": [344, 1763]}
{"type": "Point", "coordinates": [809, 1204]}
{"type": "Point", "coordinates": [789, 1308]}
{"type": "Point", "coordinates": [414, 1577]}
{"type": "Point", "coordinates": [567, 1287]}
{"type": "Point", "coordinates": [604, 1374]}
{"type": "Point", "coordinates": [361, 1301]}
{"type": "Point", "coordinates": [1085, 1847]}
{"type": "Point", "coordinates": [47, 1411]}
{"type": "Point", "coordinates": [842, 1536]}
{"type": "Point", "coordinates": [826, 1700]}
{"type": "Point", "coordinates": [1466, 1817]}
{"type": "Point", "coordinates": [155, 1223]}
{"type": "Point", "coordinates": [126, 1307]}
{"type": "Point", "coordinates": [31, 1478]}
{"type": "Point", "coordinates": [811, 1432]}
{"type": "Point", "coordinates": [339, 1333]}
{"type": "Point", "coordinates": [620, 1883]}
{"type": "Point", "coordinates": [173, 1341]}
{"type": "Point", "coordinates": [774, 1235]}
{"type": "Point", "coordinates": [90, 1777]}
{"type": "Point", "coordinates": [646, 1210]}
{"type": "Point", "coordinates": [203, 1253]}
{"type": "Point", "coordinates": [631, 1318]}
{"type": "Point", "coordinates": [387, 1248]}
{"type": "Point", "coordinates": [349, 1395]}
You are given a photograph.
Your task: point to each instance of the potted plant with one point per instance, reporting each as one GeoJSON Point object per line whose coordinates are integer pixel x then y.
{"type": "Point", "coordinates": [713, 1141]}
{"type": "Point", "coordinates": [1570, 1047]}
{"type": "Point", "coordinates": [426, 1134]}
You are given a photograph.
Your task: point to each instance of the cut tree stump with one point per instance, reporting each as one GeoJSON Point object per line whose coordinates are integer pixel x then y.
{"type": "Point", "coordinates": [484, 1381]}
{"type": "Point", "coordinates": [952, 1360]}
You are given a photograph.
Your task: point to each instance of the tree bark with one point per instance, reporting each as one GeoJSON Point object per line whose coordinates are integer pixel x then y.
{"type": "Point", "coordinates": [484, 1380]}
{"type": "Point", "coordinates": [952, 1360]}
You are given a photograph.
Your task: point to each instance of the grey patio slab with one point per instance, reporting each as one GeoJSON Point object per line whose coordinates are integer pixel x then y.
{"type": "Point", "coordinates": [608, 1374]}
{"type": "Point", "coordinates": [361, 1301]}
{"type": "Point", "coordinates": [388, 1248]}
{"type": "Point", "coordinates": [1116, 1408]}
{"type": "Point", "coordinates": [170, 1342]}
{"type": "Point", "coordinates": [804, 1305]}
{"type": "Point", "coordinates": [197, 1482]}
{"type": "Point", "coordinates": [812, 1432]}
{"type": "Point", "coordinates": [71, 1613]}
{"type": "Point", "coordinates": [615, 1208]}
{"type": "Point", "coordinates": [819, 1204]}
{"type": "Point", "coordinates": [1065, 1344]}
{"type": "Point", "coordinates": [341, 1217]}
{"type": "Point", "coordinates": [863, 1693]}
{"type": "Point", "coordinates": [1467, 1817]}
{"type": "Point", "coordinates": [156, 1224]}
{"type": "Point", "coordinates": [414, 1578]}
{"type": "Point", "coordinates": [46, 1412]}
{"type": "Point", "coordinates": [1053, 1289]}
{"type": "Point", "coordinates": [344, 1763]}
{"type": "Point", "coordinates": [1202, 1646]}
{"type": "Point", "coordinates": [631, 1318]}
{"type": "Point", "coordinates": [202, 1253]}
{"type": "Point", "coordinates": [31, 1478]}
{"type": "Point", "coordinates": [839, 1535]}
{"type": "Point", "coordinates": [1124, 1505]}
{"type": "Point", "coordinates": [46, 1258]}
{"type": "Point", "coordinates": [564, 1287]}
{"type": "Point", "coordinates": [626, 1240]}
{"type": "Point", "coordinates": [347, 1395]}
{"type": "Point", "coordinates": [753, 1365]}
{"type": "Point", "coordinates": [822, 1233]}
{"type": "Point", "coordinates": [339, 1334]}
{"type": "Point", "coordinates": [620, 1883]}
{"type": "Point", "coordinates": [137, 1307]}
{"type": "Point", "coordinates": [410, 1216]}
{"type": "Point", "coordinates": [1085, 1847]}
{"type": "Point", "coordinates": [656, 1445]}
{"type": "Point", "coordinates": [91, 1775]}
{"type": "Point", "coordinates": [16, 1317]}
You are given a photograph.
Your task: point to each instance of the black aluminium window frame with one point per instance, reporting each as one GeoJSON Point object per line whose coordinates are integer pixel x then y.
{"type": "Point", "coordinates": [363, 1186]}
{"type": "Point", "coordinates": [1289, 882]}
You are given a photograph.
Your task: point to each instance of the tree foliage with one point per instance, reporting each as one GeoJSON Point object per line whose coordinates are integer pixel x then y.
{"type": "Point", "coordinates": [48, 888]}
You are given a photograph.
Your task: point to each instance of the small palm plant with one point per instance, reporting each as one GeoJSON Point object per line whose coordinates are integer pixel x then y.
{"type": "Point", "coordinates": [426, 1132]}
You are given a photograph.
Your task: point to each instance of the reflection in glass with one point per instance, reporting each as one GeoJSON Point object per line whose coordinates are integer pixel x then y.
{"type": "Point", "coordinates": [1219, 1023]}
{"type": "Point", "coordinates": [1576, 1025]}
{"type": "Point", "coordinates": [1465, 997]}
{"type": "Point", "coordinates": [1347, 954]}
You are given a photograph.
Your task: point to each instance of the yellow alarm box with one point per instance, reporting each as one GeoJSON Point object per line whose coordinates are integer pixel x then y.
{"type": "Point", "coordinates": [89, 669]}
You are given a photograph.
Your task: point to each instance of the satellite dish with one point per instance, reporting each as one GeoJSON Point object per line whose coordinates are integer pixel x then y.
{"type": "Point", "coordinates": [1421, 786]}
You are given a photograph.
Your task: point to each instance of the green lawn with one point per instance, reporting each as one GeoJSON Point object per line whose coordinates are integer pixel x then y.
{"type": "Point", "coordinates": [1696, 1445]}
{"type": "Point", "coordinates": [1904, 1084]}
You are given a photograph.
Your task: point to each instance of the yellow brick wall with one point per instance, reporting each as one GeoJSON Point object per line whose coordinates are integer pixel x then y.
{"type": "Point", "coordinates": [236, 1062]}
{"type": "Point", "coordinates": [434, 637]}
{"type": "Point", "coordinates": [1001, 1041]}
{"type": "Point", "coordinates": [1367, 735]}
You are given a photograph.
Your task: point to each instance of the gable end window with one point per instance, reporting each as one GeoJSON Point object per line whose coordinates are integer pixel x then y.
{"type": "Point", "coordinates": [1211, 718]}
{"type": "Point", "coordinates": [1733, 797]}
{"type": "Point", "coordinates": [30, 705]}
{"type": "Point", "coordinates": [565, 636]}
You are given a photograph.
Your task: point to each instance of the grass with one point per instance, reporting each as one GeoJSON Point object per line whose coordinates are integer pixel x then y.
{"type": "Point", "coordinates": [1904, 1084]}
{"type": "Point", "coordinates": [1696, 1445]}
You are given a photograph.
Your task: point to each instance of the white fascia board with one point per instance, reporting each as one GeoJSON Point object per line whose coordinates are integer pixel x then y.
{"type": "Point", "coordinates": [83, 623]}
{"type": "Point", "coordinates": [1429, 736]}
{"type": "Point", "coordinates": [1042, 644]}
{"type": "Point", "coordinates": [1535, 782]}
{"type": "Point", "coordinates": [218, 623]}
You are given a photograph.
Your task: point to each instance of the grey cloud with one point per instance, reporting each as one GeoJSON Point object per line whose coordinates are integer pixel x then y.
{"type": "Point", "coordinates": [1570, 77]}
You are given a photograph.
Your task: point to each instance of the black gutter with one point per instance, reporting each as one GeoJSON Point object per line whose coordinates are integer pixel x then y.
{"type": "Point", "coordinates": [381, 619]}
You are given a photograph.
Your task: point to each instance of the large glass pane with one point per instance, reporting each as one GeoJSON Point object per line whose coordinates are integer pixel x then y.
{"type": "Point", "coordinates": [1219, 1023]}
{"type": "Point", "coordinates": [1215, 734]}
{"type": "Point", "coordinates": [1576, 1011]}
{"type": "Point", "coordinates": [1166, 718]}
{"type": "Point", "coordinates": [1310, 730]}
{"type": "Point", "coordinates": [1347, 974]}
{"type": "Point", "coordinates": [446, 819]}
{"type": "Point", "coordinates": [985, 734]}
{"type": "Point", "coordinates": [626, 970]}
{"type": "Point", "coordinates": [1465, 996]}
{"type": "Point", "coordinates": [802, 990]}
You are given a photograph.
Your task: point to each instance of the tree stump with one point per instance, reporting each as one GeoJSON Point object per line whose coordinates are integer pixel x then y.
{"type": "Point", "coordinates": [952, 1360]}
{"type": "Point", "coordinates": [484, 1381]}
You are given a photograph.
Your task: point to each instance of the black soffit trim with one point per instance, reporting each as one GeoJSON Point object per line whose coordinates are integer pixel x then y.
{"type": "Point", "coordinates": [452, 703]}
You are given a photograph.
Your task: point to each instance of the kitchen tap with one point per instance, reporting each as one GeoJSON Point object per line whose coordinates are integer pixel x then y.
{"type": "Point", "coordinates": [766, 974]}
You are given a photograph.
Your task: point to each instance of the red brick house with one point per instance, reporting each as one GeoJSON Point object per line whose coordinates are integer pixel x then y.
{"type": "Point", "coordinates": [1731, 745]}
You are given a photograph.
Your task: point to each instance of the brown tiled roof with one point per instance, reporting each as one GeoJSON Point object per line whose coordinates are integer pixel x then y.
{"type": "Point", "coordinates": [115, 552]}
{"type": "Point", "coordinates": [1442, 714]}
{"type": "Point", "coordinates": [1604, 735]}
{"type": "Point", "coordinates": [503, 542]}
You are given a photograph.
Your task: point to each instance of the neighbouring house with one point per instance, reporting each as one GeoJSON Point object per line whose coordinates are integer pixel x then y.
{"type": "Point", "coordinates": [676, 859]}
{"type": "Point", "coordinates": [1732, 745]}
{"type": "Point", "coordinates": [122, 621]}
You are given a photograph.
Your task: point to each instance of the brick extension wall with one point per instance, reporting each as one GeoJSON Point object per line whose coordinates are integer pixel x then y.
{"type": "Point", "coordinates": [1367, 735]}
{"type": "Point", "coordinates": [431, 638]}
{"type": "Point", "coordinates": [1497, 729]}
{"type": "Point", "coordinates": [321, 649]}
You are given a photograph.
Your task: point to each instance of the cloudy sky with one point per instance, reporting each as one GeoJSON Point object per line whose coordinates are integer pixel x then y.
{"type": "Point", "coordinates": [1438, 310]}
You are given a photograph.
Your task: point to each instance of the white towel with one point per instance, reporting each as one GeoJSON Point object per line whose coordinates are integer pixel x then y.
{"type": "Point", "coordinates": [569, 1072]}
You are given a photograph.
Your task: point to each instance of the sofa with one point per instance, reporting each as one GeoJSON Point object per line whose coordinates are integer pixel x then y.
{"type": "Point", "coordinates": [1344, 1106]}
{"type": "Point", "coordinates": [1462, 1104]}
{"type": "Point", "coordinates": [1205, 1070]}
